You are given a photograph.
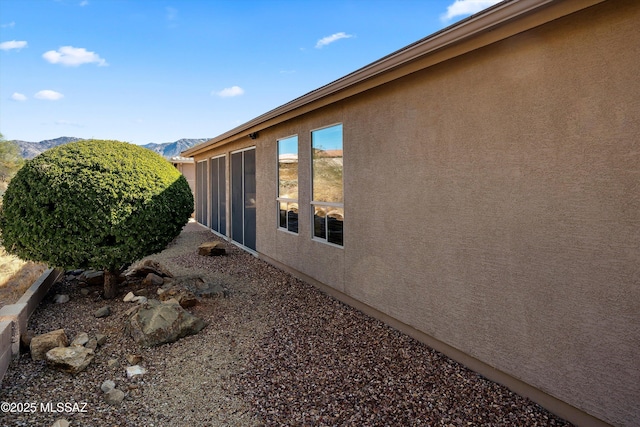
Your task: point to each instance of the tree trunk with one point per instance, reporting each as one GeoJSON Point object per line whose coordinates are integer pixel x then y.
{"type": "Point", "coordinates": [110, 284]}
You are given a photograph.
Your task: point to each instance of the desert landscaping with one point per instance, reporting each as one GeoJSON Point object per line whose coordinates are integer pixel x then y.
{"type": "Point", "coordinates": [274, 351]}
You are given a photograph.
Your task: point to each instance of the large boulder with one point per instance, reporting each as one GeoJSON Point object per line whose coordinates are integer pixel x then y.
{"type": "Point", "coordinates": [155, 323]}
{"type": "Point", "coordinates": [72, 359]}
{"type": "Point", "coordinates": [41, 344]}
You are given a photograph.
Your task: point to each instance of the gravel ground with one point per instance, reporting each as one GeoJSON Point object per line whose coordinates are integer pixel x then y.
{"type": "Point", "coordinates": [276, 352]}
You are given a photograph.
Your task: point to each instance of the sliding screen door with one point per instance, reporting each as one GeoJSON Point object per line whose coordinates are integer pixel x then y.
{"type": "Point", "coordinates": [243, 197]}
{"type": "Point", "coordinates": [217, 185]}
{"type": "Point", "coordinates": [201, 193]}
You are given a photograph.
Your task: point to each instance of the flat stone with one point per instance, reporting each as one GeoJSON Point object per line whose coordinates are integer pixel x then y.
{"type": "Point", "coordinates": [62, 422]}
{"type": "Point", "coordinates": [132, 371]}
{"type": "Point", "coordinates": [107, 386]}
{"type": "Point", "coordinates": [211, 249]}
{"type": "Point", "coordinates": [81, 339]}
{"type": "Point", "coordinates": [134, 359]}
{"type": "Point", "coordinates": [101, 339]}
{"type": "Point", "coordinates": [152, 279]}
{"type": "Point", "coordinates": [102, 312]}
{"type": "Point", "coordinates": [114, 397]}
{"type": "Point", "coordinates": [61, 299]}
{"type": "Point", "coordinates": [70, 359]}
{"type": "Point", "coordinates": [93, 278]}
{"type": "Point", "coordinates": [139, 299]}
{"type": "Point", "coordinates": [92, 344]}
{"type": "Point", "coordinates": [41, 344]}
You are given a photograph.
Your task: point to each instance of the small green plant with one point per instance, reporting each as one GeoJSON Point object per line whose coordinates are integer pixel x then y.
{"type": "Point", "coordinates": [94, 204]}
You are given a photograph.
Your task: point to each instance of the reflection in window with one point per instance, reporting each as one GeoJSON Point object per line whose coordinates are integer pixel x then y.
{"type": "Point", "coordinates": [327, 194]}
{"type": "Point", "coordinates": [288, 183]}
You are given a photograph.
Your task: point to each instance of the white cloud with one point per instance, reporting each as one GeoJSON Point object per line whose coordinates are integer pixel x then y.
{"type": "Point", "coordinates": [9, 25]}
{"type": "Point", "coordinates": [172, 14]}
{"type": "Point", "coordinates": [84, 3]}
{"type": "Point", "coordinates": [67, 123]}
{"type": "Point", "coordinates": [13, 44]}
{"type": "Point", "coordinates": [73, 56]}
{"type": "Point", "coordinates": [332, 38]}
{"type": "Point", "coordinates": [466, 7]}
{"type": "Point", "coordinates": [18, 96]}
{"type": "Point", "coordinates": [50, 95]}
{"type": "Point", "coordinates": [229, 92]}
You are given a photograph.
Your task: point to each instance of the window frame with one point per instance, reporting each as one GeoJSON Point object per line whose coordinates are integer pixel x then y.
{"type": "Point", "coordinates": [323, 204]}
{"type": "Point", "coordinates": [288, 200]}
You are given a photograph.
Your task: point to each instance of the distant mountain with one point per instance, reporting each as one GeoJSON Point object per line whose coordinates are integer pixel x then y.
{"type": "Point", "coordinates": [29, 150]}
{"type": "Point", "coordinates": [171, 149]}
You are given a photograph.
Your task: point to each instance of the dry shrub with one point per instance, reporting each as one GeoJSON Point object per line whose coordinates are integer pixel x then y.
{"type": "Point", "coordinates": [16, 276]}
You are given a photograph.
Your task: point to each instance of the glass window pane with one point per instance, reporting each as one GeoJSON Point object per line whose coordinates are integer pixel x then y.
{"type": "Point", "coordinates": [283, 215]}
{"type": "Point", "coordinates": [327, 164]}
{"type": "Point", "coordinates": [319, 222]}
{"type": "Point", "coordinates": [335, 217]}
{"type": "Point", "coordinates": [292, 217]}
{"type": "Point", "coordinates": [288, 168]}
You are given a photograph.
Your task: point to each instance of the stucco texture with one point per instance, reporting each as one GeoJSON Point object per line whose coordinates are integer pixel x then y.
{"type": "Point", "coordinates": [492, 201]}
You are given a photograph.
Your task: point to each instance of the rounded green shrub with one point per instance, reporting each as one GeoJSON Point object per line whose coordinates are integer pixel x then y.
{"type": "Point", "coordinates": [94, 204]}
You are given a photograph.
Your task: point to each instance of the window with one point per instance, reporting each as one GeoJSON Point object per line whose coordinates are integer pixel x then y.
{"type": "Point", "coordinates": [288, 184]}
{"type": "Point", "coordinates": [327, 191]}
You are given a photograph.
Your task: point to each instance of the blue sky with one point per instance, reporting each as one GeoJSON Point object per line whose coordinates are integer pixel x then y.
{"type": "Point", "coordinates": [156, 71]}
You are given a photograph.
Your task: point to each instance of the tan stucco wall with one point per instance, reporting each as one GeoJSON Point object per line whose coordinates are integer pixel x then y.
{"type": "Point", "coordinates": [493, 203]}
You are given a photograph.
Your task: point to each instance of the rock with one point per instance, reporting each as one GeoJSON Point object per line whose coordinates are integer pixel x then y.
{"type": "Point", "coordinates": [101, 339]}
{"type": "Point", "coordinates": [81, 339]}
{"type": "Point", "coordinates": [85, 291]}
{"type": "Point", "coordinates": [152, 279]}
{"type": "Point", "coordinates": [25, 340]}
{"type": "Point", "coordinates": [93, 278]}
{"type": "Point", "coordinates": [211, 249]}
{"type": "Point", "coordinates": [102, 312]}
{"type": "Point", "coordinates": [61, 299]}
{"type": "Point", "coordinates": [134, 359]}
{"type": "Point", "coordinates": [128, 297]}
{"type": "Point", "coordinates": [156, 323]}
{"type": "Point", "coordinates": [62, 422]}
{"type": "Point", "coordinates": [139, 300]}
{"type": "Point", "coordinates": [142, 292]}
{"type": "Point", "coordinates": [92, 344]}
{"type": "Point", "coordinates": [70, 359]}
{"type": "Point", "coordinates": [184, 297]}
{"type": "Point", "coordinates": [142, 268]}
{"type": "Point", "coordinates": [113, 363]}
{"type": "Point", "coordinates": [199, 287]}
{"type": "Point", "coordinates": [41, 344]}
{"type": "Point", "coordinates": [132, 371]}
{"type": "Point", "coordinates": [114, 397]}
{"type": "Point", "coordinates": [107, 386]}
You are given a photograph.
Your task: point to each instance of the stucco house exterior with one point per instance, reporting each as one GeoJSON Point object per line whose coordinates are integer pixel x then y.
{"type": "Point", "coordinates": [478, 189]}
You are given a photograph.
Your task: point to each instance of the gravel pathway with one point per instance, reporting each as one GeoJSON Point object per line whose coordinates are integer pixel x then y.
{"type": "Point", "coordinates": [276, 352]}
